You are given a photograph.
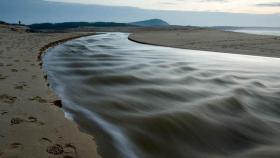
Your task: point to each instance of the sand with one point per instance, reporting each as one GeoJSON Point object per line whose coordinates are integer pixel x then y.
{"type": "Point", "coordinates": [212, 40]}
{"type": "Point", "coordinates": [30, 124]}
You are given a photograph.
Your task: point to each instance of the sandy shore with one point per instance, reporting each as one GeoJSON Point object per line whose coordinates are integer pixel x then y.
{"type": "Point", "coordinates": [31, 125]}
{"type": "Point", "coordinates": [212, 40]}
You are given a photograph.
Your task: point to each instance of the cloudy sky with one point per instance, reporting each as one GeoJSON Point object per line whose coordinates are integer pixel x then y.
{"type": "Point", "coordinates": [233, 6]}
{"type": "Point", "coordinates": [177, 12]}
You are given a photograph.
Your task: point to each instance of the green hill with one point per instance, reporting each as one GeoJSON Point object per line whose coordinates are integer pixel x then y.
{"type": "Point", "coordinates": [151, 22]}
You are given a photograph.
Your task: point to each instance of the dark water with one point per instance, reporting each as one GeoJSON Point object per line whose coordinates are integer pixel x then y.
{"type": "Point", "coordinates": [143, 101]}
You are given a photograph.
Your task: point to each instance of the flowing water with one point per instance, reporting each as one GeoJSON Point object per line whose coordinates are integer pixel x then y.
{"type": "Point", "coordinates": [142, 101]}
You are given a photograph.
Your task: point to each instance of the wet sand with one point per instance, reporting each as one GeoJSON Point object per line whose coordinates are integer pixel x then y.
{"type": "Point", "coordinates": [212, 40]}
{"type": "Point", "coordinates": [30, 124]}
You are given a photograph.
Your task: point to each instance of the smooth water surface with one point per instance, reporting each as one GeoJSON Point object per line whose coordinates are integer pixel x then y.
{"type": "Point", "coordinates": [259, 31]}
{"type": "Point", "coordinates": [142, 101]}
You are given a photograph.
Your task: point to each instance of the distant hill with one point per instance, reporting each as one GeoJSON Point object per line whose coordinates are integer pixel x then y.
{"type": "Point", "coordinates": [71, 25]}
{"type": "Point", "coordinates": [151, 22]}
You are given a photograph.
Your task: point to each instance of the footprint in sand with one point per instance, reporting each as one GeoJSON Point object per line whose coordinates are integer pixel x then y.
{"type": "Point", "coordinates": [45, 141]}
{"type": "Point", "coordinates": [3, 112]}
{"type": "Point", "coordinates": [16, 121]}
{"type": "Point", "coordinates": [67, 150]}
{"type": "Point", "coordinates": [1, 64]}
{"type": "Point", "coordinates": [9, 65]}
{"type": "Point", "coordinates": [38, 99]}
{"type": "Point", "coordinates": [34, 76]}
{"type": "Point", "coordinates": [55, 149]}
{"type": "Point", "coordinates": [70, 151]}
{"type": "Point", "coordinates": [14, 70]}
{"type": "Point", "coordinates": [4, 98]}
{"type": "Point", "coordinates": [20, 85]}
{"type": "Point", "coordinates": [16, 146]}
{"type": "Point", "coordinates": [30, 119]}
{"type": "Point", "coordinates": [13, 150]}
{"type": "Point", "coordinates": [2, 77]}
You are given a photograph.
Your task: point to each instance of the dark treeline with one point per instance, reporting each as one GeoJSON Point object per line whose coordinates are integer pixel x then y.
{"type": "Point", "coordinates": [69, 25]}
{"type": "Point", "coordinates": [2, 22]}
{"type": "Point", "coordinates": [15, 24]}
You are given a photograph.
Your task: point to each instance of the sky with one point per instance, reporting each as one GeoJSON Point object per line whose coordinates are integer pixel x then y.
{"type": "Point", "coordinates": [233, 6]}
{"type": "Point", "coordinates": [176, 12]}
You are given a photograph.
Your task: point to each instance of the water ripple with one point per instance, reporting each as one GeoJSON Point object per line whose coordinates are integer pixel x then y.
{"type": "Point", "coordinates": [147, 101]}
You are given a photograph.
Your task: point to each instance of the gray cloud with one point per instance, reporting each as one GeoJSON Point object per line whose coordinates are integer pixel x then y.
{"type": "Point", "coordinates": [276, 4]}
{"type": "Point", "coordinates": [35, 11]}
{"type": "Point", "coordinates": [214, 1]}
{"type": "Point", "coordinates": [210, 0]}
{"type": "Point", "coordinates": [168, 3]}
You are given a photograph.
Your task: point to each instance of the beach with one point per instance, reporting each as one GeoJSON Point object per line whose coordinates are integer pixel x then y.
{"type": "Point", "coordinates": [211, 40]}
{"type": "Point", "coordinates": [139, 79]}
{"type": "Point", "coordinates": [31, 124]}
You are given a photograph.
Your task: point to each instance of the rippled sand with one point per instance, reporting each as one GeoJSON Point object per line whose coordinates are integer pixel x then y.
{"type": "Point", "coordinates": [147, 101]}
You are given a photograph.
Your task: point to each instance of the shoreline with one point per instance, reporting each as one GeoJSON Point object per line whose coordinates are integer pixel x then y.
{"type": "Point", "coordinates": [212, 40]}
{"type": "Point", "coordinates": [32, 123]}
{"type": "Point", "coordinates": [157, 45]}
{"type": "Point", "coordinates": [58, 42]}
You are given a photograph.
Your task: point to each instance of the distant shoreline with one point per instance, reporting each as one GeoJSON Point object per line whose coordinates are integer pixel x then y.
{"type": "Point", "coordinates": [211, 40]}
